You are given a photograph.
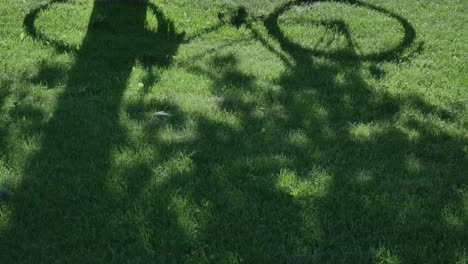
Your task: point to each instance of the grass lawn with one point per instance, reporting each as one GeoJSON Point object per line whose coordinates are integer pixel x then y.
{"type": "Point", "coordinates": [299, 132]}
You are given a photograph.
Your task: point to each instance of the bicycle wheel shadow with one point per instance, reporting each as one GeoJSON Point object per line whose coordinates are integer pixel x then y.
{"type": "Point", "coordinates": [65, 187]}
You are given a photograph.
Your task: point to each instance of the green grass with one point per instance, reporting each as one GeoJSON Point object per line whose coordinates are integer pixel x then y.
{"type": "Point", "coordinates": [301, 133]}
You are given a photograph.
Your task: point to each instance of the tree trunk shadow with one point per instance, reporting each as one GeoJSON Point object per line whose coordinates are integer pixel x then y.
{"type": "Point", "coordinates": [64, 190]}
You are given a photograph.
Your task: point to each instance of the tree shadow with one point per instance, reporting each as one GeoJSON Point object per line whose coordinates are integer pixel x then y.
{"type": "Point", "coordinates": [386, 189]}
{"type": "Point", "coordinates": [64, 187]}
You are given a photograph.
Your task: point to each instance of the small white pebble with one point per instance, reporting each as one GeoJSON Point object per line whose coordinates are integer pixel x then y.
{"type": "Point", "coordinates": [162, 115]}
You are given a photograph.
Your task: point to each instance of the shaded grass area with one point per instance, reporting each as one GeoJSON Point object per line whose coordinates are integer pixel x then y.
{"type": "Point", "coordinates": [301, 132]}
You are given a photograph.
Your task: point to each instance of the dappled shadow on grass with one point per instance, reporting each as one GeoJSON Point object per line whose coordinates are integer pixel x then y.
{"type": "Point", "coordinates": [376, 199]}
{"type": "Point", "coordinates": [49, 75]}
{"type": "Point", "coordinates": [4, 92]}
{"type": "Point", "coordinates": [388, 178]}
{"type": "Point", "coordinates": [324, 168]}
